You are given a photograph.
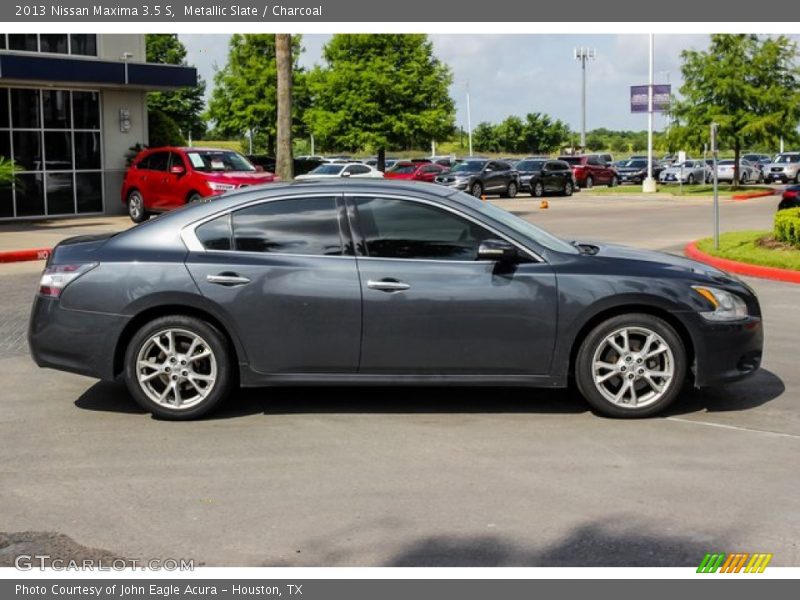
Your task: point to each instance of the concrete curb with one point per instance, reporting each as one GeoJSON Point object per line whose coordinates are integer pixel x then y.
{"type": "Point", "coordinates": [753, 195]}
{"type": "Point", "coordinates": [23, 255]}
{"type": "Point", "coordinates": [740, 268]}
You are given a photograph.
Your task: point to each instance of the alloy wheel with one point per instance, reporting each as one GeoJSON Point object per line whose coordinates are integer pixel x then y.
{"type": "Point", "coordinates": [633, 367]}
{"type": "Point", "coordinates": [176, 368]}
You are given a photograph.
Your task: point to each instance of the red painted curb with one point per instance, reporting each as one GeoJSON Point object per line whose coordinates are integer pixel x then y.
{"type": "Point", "coordinates": [741, 268]}
{"type": "Point", "coordinates": [753, 195]}
{"type": "Point", "coordinates": [22, 255]}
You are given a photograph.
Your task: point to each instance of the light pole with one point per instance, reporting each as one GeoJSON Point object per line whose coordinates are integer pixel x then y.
{"type": "Point", "coordinates": [469, 121]}
{"type": "Point", "coordinates": [649, 184]}
{"type": "Point", "coordinates": [582, 55]}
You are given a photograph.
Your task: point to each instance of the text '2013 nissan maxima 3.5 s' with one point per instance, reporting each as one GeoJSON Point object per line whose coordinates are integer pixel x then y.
{"type": "Point", "coordinates": [380, 282]}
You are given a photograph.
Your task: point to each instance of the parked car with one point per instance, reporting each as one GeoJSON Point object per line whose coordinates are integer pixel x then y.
{"type": "Point", "coordinates": [419, 171]}
{"type": "Point", "coordinates": [790, 198]}
{"type": "Point", "coordinates": [634, 170]}
{"type": "Point", "coordinates": [591, 169]}
{"type": "Point", "coordinates": [758, 160]}
{"type": "Point", "coordinates": [541, 176]}
{"type": "Point", "coordinates": [328, 170]}
{"type": "Point", "coordinates": [748, 172]}
{"type": "Point", "coordinates": [480, 176]}
{"type": "Point", "coordinates": [785, 167]}
{"type": "Point", "coordinates": [301, 164]}
{"type": "Point", "coordinates": [607, 159]}
{"type": "Point", "coordinates": [165, 178]}
{"type": "Point", "coordinates": [690, 171]}
{"type": "Point", "coordinates": [422, 285]}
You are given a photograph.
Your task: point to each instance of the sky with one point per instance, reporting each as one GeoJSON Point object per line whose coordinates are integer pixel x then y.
{"type": "Point", "coordinates": [516, 74]}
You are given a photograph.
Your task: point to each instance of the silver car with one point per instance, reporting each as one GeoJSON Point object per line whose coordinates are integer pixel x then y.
{"type": "Point", "coordinates": [748, 172]}
{"type": "Point", "coordinates": [784, 168]}
{"type": "Point", "coordinates": [689, 171]}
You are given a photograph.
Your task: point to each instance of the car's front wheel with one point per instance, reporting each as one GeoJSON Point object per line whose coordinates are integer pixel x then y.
{"type": "Point", "coordinates": [178, 367]}
{"type": "Point", "coordinates": [136, 209]}
{"type": "Point", "coordinates": [476, 189]}
{"type": "Point", "coordinates": [537, 191]}
{"type": "Point", "coordinates": [568, 188]}
{"type": "Point", "coordinates": [512, 190]}
{"type": "Point", "coordinates": [631, 366]}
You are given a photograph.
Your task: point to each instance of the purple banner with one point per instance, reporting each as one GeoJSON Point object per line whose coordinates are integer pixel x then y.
{"type": "Point", "coordinates": [640, 101]}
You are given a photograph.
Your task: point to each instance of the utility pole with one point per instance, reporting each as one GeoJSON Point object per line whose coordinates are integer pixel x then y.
{"type": "Point", "coordinates": [469, 122]}
{"type": "Point", "coordinates": [582, 55]}
{"type": "Point", "coordinates": [649, 185]}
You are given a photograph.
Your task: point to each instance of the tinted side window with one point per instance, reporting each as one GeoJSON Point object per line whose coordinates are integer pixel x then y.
{"type": "Point", "coordinates": [412, 230]}
{"type": "Point", "coordinates": [298, 226]}
{"type": "Point", "coordinates": [144, 163]}
{"type": "Point", "coordinates": [215, 234]}
{"type": "Point", "coordinates": [502, 166]}
{"type": "Point", "coordinates": [158, 161]}
{"type": "Point", "coordinates": [358, 169]}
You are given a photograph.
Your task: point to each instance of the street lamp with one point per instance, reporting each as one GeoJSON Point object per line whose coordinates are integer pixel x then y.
{"type": "Point", "coordinates": [582, 55]}
{"type": "Point", "coordinates": [469, 121]}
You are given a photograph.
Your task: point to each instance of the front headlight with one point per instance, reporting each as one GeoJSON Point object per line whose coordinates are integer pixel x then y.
{"type": "Point", "coordinates": [727, 306]}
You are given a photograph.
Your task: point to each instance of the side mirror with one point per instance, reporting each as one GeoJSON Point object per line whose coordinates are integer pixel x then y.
{"type": "Point", "coordinates": [497, 250]}
{"type": "Point", "coordinates": [177, 170]}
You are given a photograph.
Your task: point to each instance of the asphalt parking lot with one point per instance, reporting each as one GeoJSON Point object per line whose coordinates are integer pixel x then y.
{"type": "Point", "coordinates": [420, 477]}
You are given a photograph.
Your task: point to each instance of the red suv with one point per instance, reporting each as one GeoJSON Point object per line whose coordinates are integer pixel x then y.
{"type": "Point", "coordinates": [161, 179]}
{"type": "Point", "coordinates": [589, 169]}
{"type": "Point", "coordinates": [414, 170]}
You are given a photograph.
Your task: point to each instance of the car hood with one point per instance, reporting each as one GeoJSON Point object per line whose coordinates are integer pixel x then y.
{"type": "Point", "coordinates": [241, 177]}
{"type": "Point", "coordinates": [653, 258]}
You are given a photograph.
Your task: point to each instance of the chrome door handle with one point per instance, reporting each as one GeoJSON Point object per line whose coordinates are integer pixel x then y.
{"type": "Point", "coordinates": [388, 285]}
{"type": "Point", "coordinates": [230, 280]}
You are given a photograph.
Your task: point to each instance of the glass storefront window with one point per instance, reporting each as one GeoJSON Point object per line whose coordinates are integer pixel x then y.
{"type": "Point", "coordinates": [53, 42]}
{"type": "Point", "coordinates": [54, 138]}
{"type": "Point", "coordinates": [80, 44]}
{"type": "Point", "coordinates": [84, 44]}
{"type": "Point", "coordinates": [27, 42]}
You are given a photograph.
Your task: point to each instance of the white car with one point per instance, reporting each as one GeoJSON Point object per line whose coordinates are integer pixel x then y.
{"type": "Point", "coordinates": [330, 170]}
{"type": "Point", "coordinates": [690, 171]}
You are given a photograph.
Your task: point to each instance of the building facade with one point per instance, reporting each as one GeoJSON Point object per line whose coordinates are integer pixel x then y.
{"type": "Point", "coordinates": [71, 108]}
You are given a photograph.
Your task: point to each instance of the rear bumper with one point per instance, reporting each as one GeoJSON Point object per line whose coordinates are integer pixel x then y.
{"type": "Point", "coordinates": [75, 341]}
{"type": "Point", "coordinates": [726, 352]}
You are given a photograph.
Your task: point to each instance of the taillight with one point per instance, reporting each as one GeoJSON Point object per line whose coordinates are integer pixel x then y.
{"type": "Point", "coordinates": [56, 277]}
{"type": "Point", "coordinates": [790, 194]}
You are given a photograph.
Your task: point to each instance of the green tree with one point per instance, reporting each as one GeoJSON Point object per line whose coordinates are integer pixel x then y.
{"type": "Point", "coordinates": [750, 86]}
{"type": "Point", "coordinates": [379, 91]}
{"type": "Point", "coordinates": [245, 94]}
{"type": "Point", "coordinates": [163, 129]}
{"type": "Point", "coordinates": [485, 138]}
{"type": "Point", "coordinates": [511, 135]}
{"type": "Point", "coordinates": [541, 135]}
{"type": "Point", "coordinates": [184, 106]}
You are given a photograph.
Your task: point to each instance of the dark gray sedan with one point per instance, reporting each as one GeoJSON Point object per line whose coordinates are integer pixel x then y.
{"type": "Point", "coordinates": [362, 282]}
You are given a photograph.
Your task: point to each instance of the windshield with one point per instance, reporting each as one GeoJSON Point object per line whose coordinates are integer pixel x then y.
{"type": "Point", "coordinates": [209, 161]}
{"type": "Point", "coordinates": [529, 165]}
{"type": "Point", "coordinates": [468, 166]}
{"type": "Point", "coordinates": [787, 158]}
{"type": "Point", "coordinates": [634, 164]}
{"type": "Point", "coordinates": [403, 168]}
{"type": "Point", "coordinates": [328, 170]}
{"type": "Point", "coordinates": [516, 223]}
{"type": "Point", "coordinates": [725, 162]}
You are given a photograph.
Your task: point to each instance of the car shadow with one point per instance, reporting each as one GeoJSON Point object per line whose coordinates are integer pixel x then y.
{"type": "Point", "coordinates": [114, 397]}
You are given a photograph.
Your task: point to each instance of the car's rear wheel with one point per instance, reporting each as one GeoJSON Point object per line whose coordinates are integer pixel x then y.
{"type": "Point", "coordinates": [537, 191]}
{"type": "Point", "coordinates": [476, 189]}
{"type": "Point", "coordinates": [512, 190]}
{"type": "Point", "coordinates": [178, 367]}
{"type": "Point", "coordinates": [568, 189]}
{"type": "Point", "coordinates": [194, 198]}
{"type": "Point", "coordinates": [613, 182]}
{"type": "Point", "coordinates": [690, 179]}
{"type": "Point", "coordinates": [136, 209]}
{"type": "Point", "coordinates": [589, 182]}
{"type": "Point", "coordinates": [631, 366]}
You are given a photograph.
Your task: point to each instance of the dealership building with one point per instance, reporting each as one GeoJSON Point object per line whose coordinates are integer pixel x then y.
{"type": "Point", "coordinates": [71, 107]}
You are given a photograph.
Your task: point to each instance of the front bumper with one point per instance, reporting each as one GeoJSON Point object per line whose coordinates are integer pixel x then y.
{"type": "Point", "coordinates": [76, 341]}
{"type": "Point", "coordinates": [725, 352]}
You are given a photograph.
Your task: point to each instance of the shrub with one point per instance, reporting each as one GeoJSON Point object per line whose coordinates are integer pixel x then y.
{"type": "Point", "coordinates": [787, 226]}
{"type": "Point", "coordinates": [163, 130]}
{"type": "Point", "coordinates": [6, 171]}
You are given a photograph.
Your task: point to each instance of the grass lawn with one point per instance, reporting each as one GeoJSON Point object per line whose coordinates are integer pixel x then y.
{"type": "Point", "coordinates": [725, 191]}
{"type": "Point", "coordinates": [228, 144]}
{"type": "Point", "coordinates": [744, 246]}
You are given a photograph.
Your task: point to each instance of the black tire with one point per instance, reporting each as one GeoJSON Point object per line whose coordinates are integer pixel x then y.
{"type": "Point", "coordinates": [213, 340]}
{"type": "Point", "coordinates": [136, 209]}
{"type": "Point", "coordinates": [589, 183]}
{"type": "Point", "coordinates": [690, 179]}
{"type": "Point", "coordinates": [743, 179]}
{"type": "Point", "coordinates": [596, 338]}
{"type": "Point", "coordinates": [568, 189]}
{"type": "Point", "coordinates": [797, 178]}
{"type": "Point", "coordinates": [512, 190]}
{"type": "Point", "coordinates": [537, 190]}
{"type": "Point", "coordinates": [194, 198]}
{"type": "Point", "coordinates": [476, 189]}
{"type": "Point", "coordinates": [613, 182]}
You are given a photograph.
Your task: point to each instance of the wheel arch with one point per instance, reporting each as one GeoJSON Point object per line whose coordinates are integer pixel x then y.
{"type": "Point", "coordinates": [603, 315]}
{"type": "Point", "coordinates": [154, 312]}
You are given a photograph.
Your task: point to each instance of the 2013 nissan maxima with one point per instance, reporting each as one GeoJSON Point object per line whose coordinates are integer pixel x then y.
{"type": "Point", "coordinates": [370, 282]}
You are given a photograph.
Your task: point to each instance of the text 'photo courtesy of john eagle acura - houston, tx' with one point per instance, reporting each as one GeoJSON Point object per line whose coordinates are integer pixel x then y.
{"type": "Point", "coordinates": [381, 282]}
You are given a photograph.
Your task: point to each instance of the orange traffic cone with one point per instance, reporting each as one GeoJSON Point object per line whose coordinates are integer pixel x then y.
{"type": "Point", "coordinates": [544, 204]}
